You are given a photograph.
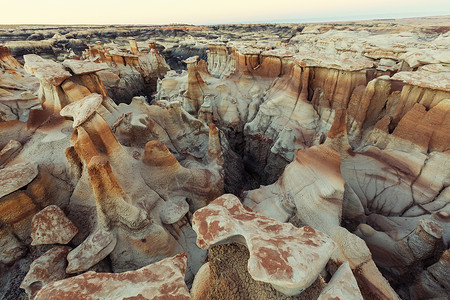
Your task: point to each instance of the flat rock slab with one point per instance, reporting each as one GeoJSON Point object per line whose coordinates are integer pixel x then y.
{"type": "Point", "coordinates": [45, 69]}
{"type": "Point", "coordinates": [425, 79]}
{"type": "Point", "coordinates": [287, 257]}
{"type": "Point", "coordinates": [82, 109]}
{"type": "Point", "coordinates": [16, 176]}
{"type": "Point", "coordinates": [51, 226]}
{"type": "Point", "coordinates": [311, 59]}
{"type": "Point", "coordinates": [174, 210]}
{"type": "Point", "coordinates": [47, 268]}
{"type": "Point", "coordinates": [161, 280]}
{"type": "Point", "coordinates": [9, 150]}
{"type": "Point", "coordinates": [92, 250]}
{"type": "Point", "coordinates": [342, 285]}
{"type": "Point", "coordinates": [80, 67]}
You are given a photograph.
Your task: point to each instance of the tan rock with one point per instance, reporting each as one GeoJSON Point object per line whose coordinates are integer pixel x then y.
{"type": "Point", "coordinates": [81, 110]}
{"type": "Point", "coordinates": [17, 210]}
{"type": "Point", "coordinates": [201, 285]}
{"type": "Point", "coordinates": [342, 285]}
{"type": "Point", "coordinates": [80, 67]}
{"type": "Point", "coordinates": [16, 176]}
{"type": "Point", "coordinates": [11, 248]}
{"type": "Point", "coordinates": [7, 61]}
{"type": "Point", "coordinates": [431, 80]}
{"type": "Point", "coordinates": [9, 150]}
{"type": "Point", "coordinates": [45, 69]}
{"type": "Point", "coordinates": [113, 204]}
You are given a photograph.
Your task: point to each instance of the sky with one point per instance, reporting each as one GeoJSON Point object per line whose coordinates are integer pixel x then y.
{"type": "Point", "coordinates": [210, 11]}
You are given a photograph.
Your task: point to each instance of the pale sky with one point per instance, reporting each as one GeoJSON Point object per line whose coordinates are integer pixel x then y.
{"type": "Point", "coordinates": [210, 12]}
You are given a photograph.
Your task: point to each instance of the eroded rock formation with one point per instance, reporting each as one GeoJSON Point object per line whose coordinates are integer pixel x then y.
{"type": "Point", "coordinates": [337, 142]}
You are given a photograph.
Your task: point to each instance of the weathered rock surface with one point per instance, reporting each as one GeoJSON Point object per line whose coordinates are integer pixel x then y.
{"type": "Point", "coordinates": [342, 285]}
{"type": "Point", "coordinates": [130, 72]}
{"type": "Point", "coordinates": [47, 268]}
{"type": "Point", "coordinates": [280, 254]}
{"type": "Point", "coordinates": [345, 125]}
{"type": "Point", "coordinates": [51, 226]}
{"type": "Point", "coordinates": [91, 251]}
{"type": "Point", "coordinates": [16, 176]}
{"type": "Point", "coordinates": [164, 279]}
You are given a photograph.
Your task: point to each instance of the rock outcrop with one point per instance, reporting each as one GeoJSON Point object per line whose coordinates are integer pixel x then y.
{"type": "Point", "coordinates": [131, 72]}
{"type": "Point", "coordinates": [17, 90]}
{"type": "Point", "coordinates": [288, 258]}
{"type": "Point", "coordinates": [380, 106]}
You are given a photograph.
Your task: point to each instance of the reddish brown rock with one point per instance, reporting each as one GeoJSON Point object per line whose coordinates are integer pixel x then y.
{"type": "Point", "coordinates": [287, 257]}
{"type": "Point", "coordinates": [51, 226]}
{"type": "Point", "coordinates": [48, 268]}
{"type": "Point", "coordinates": [161, 280]}
{"type": "Point", "coordinates": [7, 61]}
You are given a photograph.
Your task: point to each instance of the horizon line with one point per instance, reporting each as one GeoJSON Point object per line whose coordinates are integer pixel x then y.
{"type": "Point", "coordinates": [314, 20]}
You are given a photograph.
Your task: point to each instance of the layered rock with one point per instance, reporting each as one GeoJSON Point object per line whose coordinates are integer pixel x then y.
{"type": "Point", "coordinates": [385, 95]}
{"type": "Point", "coordinates": [315, 198]}
{"type": "Point", "coordinates": [342, 285]}
{"type": "Point", "coordinates": [132, 72]}
{"type": "Point", "coordinates": [17, 90]}
{"type": "Point", "coordinates": [274, 251]}
{"type": "Point", "coordinates": [145, 217]}
{"type": "Point", "coordinates": [60, 88]}
{"type": "Point", "coordinates": [132, 211]}
{"type": "Point", "coordinates": [344, 128]}
{"type": "Point", "coordinates": [7, 61]}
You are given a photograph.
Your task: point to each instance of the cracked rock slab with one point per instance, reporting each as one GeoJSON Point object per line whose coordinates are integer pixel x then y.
{"type": "Point", "coordinates": [80, 67]}
{"type": "Point", "coordinates": [81, 110]}
{"type": "Point", "coordinates": [45, 69]}
{"type": "Point", "coordinates": [16, 176]}
{"type": "Point", "coordinates": [161, 280]}
{"type": "Point", "coordinates": [47, 268]}
{"type": "Point", "coordinates": [51, 226]}
{"type": "Point", "coordinates": [93, 249]}
{"type": "Point", "coordinates": [287, 257]}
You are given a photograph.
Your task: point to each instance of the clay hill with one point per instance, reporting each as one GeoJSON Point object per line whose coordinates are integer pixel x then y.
{"type": "Point", "coordinates": [267, 161]}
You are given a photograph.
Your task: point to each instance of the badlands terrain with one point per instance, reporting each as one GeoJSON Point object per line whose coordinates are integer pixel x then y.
{"type": "Point", "coordinates": [267, 161]}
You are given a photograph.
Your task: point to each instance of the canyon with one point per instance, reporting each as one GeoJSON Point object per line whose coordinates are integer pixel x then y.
{"type": "Point", "coordinates": [267, 161]}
